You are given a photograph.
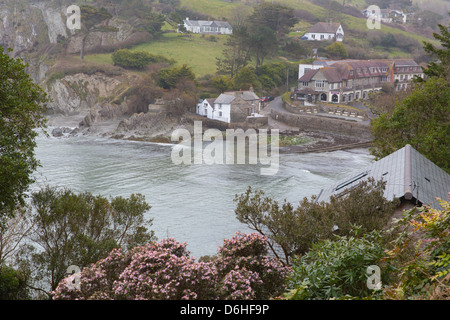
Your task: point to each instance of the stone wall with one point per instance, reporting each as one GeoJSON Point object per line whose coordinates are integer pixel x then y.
{"type": "Point", "coordinates": [250, 123]}
{"type": "Point", "coordinates": [314, 123]}
{"type": "Point", "coordinates": [321, 108]}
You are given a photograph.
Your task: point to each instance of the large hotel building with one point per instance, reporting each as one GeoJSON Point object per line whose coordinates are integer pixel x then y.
{"type": "Point", "coordinates": [343, 81]}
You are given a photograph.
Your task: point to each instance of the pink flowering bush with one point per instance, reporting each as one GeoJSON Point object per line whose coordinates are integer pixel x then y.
{"type": "Point", "coordinates": [163, 270]}
{"type": "Point", "coordinates": [247, 255]}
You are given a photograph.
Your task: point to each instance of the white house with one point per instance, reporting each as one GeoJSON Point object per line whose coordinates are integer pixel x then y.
{"type": "Point", "coordinates": [385, 15]}
{"type": "Point", "coordinates": [207, 27]}
{"type": "Point", "coordinates": [323, 31]}
{"type": "Point", "coordinates": [303, 68]}
{"type": "Point", "coordinates": [206, 108]}
{"type": "Point", "coordinates": [230, 107]}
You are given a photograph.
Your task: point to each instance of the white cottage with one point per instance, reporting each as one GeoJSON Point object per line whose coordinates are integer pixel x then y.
{"type": "Point", "coordinates": [207, 27]}
{"type": "Point", "coordinates": [206, 108]}
{"type": "Point", "coordinates": [323, 31]}
{"type": "Point", "coordinates": [230, 107]}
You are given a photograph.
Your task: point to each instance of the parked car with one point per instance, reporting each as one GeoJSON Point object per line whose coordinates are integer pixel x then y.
{"type": "Point", "coordinates": [266, 99]}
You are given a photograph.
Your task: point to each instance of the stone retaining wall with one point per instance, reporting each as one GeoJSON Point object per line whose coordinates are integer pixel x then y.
{"type": "Point", "coordinates": [314, 123]}
{"type": "Point", "coordinates": [319, 108]}
{"type": "Point", "coordinates": [251, 123]}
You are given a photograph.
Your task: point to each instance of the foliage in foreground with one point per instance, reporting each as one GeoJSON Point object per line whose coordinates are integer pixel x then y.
{"type": "Point", "coordinates": [337, 269]}
{"type": "Point", "coordinates": [422, 118]}
{"type": "Point", "coordinates": [421, 253]}
{"type": "Point", "coordinates": [293, 231]}
{"type": "Point", "coordinates": [22, 106]}
{"type": "Point", "coordinates": [164, 270]}
{"type": "Point", "coordinates": [66, 229]}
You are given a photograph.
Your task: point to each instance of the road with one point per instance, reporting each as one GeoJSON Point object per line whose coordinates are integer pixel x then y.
{"type": "Point", "coordinates": [277, 105]}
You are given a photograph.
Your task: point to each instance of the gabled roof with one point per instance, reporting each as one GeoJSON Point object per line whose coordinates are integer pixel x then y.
{"type": "Point", "coordinates": [210, 101]}
{"type": "Point", "coordinates": [224, 99]}
{"type": "Point", "coordinates": [408, 175]}
{"type": "Point", "coordinates": [228, 97]}
{"type": "Point", "coordinates": [324, 27]}
{"type": "Point", "coordinates": [308, 75]}
{"type": "Point", "coordinates": [333, 74]}
{"type": "Point", "coordinates": [207, 23]}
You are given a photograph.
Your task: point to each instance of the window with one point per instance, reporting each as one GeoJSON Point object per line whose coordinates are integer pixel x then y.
{"type": "Point", "coordinates": [220, 113]}
{"type": "Point", "coordinates": [320, 84]}
{"type": "Point", "coordinates": [305, 84]}
{"type": "Point", "coordinates": [220, 107]}
{"type": "Point", "coordinates": [322, 36]}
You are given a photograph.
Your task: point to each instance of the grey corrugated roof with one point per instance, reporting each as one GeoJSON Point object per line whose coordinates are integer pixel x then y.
{"type": "Point", "coordinates": [408, 174]}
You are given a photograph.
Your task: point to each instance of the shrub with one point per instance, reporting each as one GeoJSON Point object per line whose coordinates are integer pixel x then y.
{"type": "Point", "coordinates": [336, 50]}
{"type": "Point", "coordinates": [137, 59]}
{"type": "Point", "coordinates": [293, 230]}
{"type": "Point", "coordinates": [337, 268]}
{"type": "Point", "coordinates": [170, 77]}
{"type": "Point", "coordinates": [164, 270]}
{"type": "Point", "coordinates": [420, 252]}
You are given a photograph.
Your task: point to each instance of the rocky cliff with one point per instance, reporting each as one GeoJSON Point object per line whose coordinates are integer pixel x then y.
{"type": "Point", "coordinates": [36, 31]}
{"type": "Point", "coordinates": [93, 98]}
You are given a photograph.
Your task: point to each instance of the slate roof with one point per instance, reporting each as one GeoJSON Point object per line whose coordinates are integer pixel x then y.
{"type": "Point", "coordinates": [228, 97]}
{"type": "Point", "coordinates": [408, 175]}
{"type": "Point", "coordinates": [324, 27]}
{"type": "Point", "coordinates": [308, 75]}
{"type": "Point", "coordinates": [206, 23]}
{"type": "Point", "coordinates": [333, 74]}
{"type": "Point", "coordinates": [224, 98]}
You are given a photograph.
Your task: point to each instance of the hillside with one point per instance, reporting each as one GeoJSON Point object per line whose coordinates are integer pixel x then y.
{"type": "Point", "coordinates": [94, 89]}
{"type": "Point", "coordinates": [201, 53]}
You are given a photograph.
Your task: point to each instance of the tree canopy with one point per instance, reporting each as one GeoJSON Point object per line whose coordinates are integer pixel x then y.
{"type": "Point", "coordinates": [422, 118]}
{"type": "Point", "coordinates": [22, 107]}
{"type": "Point", "coordinates": [258, 36]}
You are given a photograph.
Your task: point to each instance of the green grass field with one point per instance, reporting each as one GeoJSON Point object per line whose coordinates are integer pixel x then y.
{"type": "Point", "coordinates": [217, 8]}
{"type": "Point", "coordinates": [198, 52]}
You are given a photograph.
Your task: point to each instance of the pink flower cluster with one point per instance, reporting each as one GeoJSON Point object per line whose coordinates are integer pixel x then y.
{"type": "Point", "coordinates": [163, 270]}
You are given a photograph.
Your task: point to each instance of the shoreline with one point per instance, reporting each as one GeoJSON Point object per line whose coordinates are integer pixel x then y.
{"type": "Point", "coordinates": [290, 141]}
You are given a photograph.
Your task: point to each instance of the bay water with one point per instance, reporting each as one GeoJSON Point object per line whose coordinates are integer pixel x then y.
{"type": "Point", "coordinates": [191, 203]}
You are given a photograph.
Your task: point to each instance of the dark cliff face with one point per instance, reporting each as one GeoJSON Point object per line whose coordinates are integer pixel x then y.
{"type": "Point", "coordinates": [36, 31]}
